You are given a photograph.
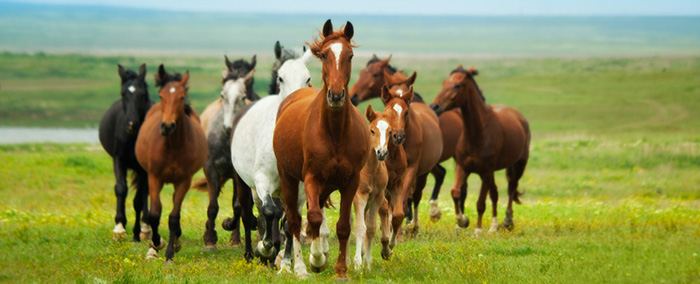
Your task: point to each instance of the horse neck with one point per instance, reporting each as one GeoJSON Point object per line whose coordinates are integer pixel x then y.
{"type": "Point", "coordinates": [179, 136]}
{"type": "Point", "coordinates": [333, 121]}
{"type": "Point", "coordinates": [474, 113]}
{"type": "Point", "coordinates": [396, 152]}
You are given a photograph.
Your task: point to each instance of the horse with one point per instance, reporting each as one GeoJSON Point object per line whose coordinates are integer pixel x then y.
{"type": "Point", "coordinates": [421, 138]}
{"type": "Point", "coordinates": [378, 176]}
{"type": "Point", "coordinates": [494, 137]}
{"type": "Point", "coordinates": [241, 68]}
{"type": "Point", "coordinates": [253, 157]}
{"type": "Point", "coordinates": [369, 85]}
{"type": "Point", "coordinates": [322, 140]}
{"type": "Point", "coordinates": [218, 168]}
{"type": "Point", "coordinates": [171, 147]}
{"type": "Point", "coordinates": [119, 128]}
{"type": "Point", "coordinates": [281, 56]}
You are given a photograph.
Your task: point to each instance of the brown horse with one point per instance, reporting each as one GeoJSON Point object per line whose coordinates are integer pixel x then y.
{"type": "Point", "coordinates": [374, 179]}
{"type": "Point", "coordinates": [171, 147]}
{"type": "Point", "coordinates": [421, 138]}
{"type": "Point", "coordinates": [369, 85]}
{"type": "Point", "coordinates": [494, 138]}
{"type": "Point", "coordinates": [322, 140]}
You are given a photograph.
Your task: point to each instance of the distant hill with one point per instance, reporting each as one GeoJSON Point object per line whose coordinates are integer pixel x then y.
{"type": "Point", "coordinates": [107, 30]}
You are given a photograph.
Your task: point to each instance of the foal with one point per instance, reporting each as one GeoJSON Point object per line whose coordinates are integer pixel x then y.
{"type": "Point", "coordinates": [171, 147]}
{"type": "Point", "coordinates": [494, 138]}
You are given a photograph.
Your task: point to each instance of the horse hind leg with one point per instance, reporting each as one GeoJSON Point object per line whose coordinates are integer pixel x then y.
{"type": "Point", "coordinates": [486, 181]}
{"type": "Point", "coordinates": [514, 173]}
{"type": "Point", "coordinates": [155, 209]}
{"type": "Point", "coordinates": [493, 193]}
{"type": "Point", "coordinates": [439, 173]}
{"type": "Point", "coordinates": [459, 194]}
{"type": "Point", "coordinates": [214, 184]}
{"type": "Point", "coordinates": [385, 227]}
{"type": "Point", "coordinates": [120, 191]}
{"type": "Point", "coordinates": [371, 221]}
{"type": "Point", "coordinates": [142, 231]}
{"type": "Point", "coordinates": [359, 205]}
{"type": "Point", "coordinates": [416, 197]}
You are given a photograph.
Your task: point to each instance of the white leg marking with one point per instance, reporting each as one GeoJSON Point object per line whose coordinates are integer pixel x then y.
{"type": "Point", "coordinates": [494, 225]}
{"type": "Point", "coordinates": [324, 233]}
{"type": "Point", "coordinates": [145, 228]}
{"type": "Point", "coordinates": [360, 231]}
{"type": "Point", "coordinates": [337, 48]}
{"type": "Point", "coordinates": [119, 229]}
{"type": "Point", "coordinates": [299, 266]}
{"type": "Point", "coordinates": [151, 254]}
{"type": "Point", "coordinates": [477, 232]}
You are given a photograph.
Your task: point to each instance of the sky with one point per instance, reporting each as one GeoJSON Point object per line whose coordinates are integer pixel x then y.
{"type": "Point", "coordinates": [414, 7]}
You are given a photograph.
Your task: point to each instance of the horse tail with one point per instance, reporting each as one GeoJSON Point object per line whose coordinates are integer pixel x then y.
{"type": "Point", "coordinates": [201, 185]}
{"type": "Point", "coordinates": [329, 204]}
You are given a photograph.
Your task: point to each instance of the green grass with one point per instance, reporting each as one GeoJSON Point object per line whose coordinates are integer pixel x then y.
{"type": "Point", "coordinates": [612, 190]}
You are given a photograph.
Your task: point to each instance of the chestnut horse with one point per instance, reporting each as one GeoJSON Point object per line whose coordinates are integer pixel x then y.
{"type": "Point", "coordinates": [322, 140]}
{"type": "Point", "coordinates": [421, 138]}
{"type": "Point", "coordinates": [494, 138]}
{"type": "Point", "coordinates": [119, 128]}
{"type": "Point", "coordinates": [171, 147]}
{"type": "Point", "coordinates": [369, 85]}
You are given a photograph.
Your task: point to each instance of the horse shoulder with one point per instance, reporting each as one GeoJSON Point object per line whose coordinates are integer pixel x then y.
{"type": "Point", "coordinates": [295, 97]}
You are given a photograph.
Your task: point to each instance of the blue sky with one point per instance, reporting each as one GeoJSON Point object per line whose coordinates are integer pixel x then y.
{"type": "Point", "coordinates": [414, 7]}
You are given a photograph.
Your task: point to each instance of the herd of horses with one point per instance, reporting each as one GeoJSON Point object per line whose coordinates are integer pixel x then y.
{"type": "Point", "coordinates": [296, 146]}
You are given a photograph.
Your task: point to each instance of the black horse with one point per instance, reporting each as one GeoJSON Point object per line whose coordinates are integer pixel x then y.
{"type": "Point", "coordinates": [119, 128]}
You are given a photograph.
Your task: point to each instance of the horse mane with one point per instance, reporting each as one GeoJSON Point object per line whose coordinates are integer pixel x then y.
{"type": "Point", "coordinates": [129, 75]}
{"type": "Point", "coordinates": [175, 76]}
{"type": "Point", "coordinates": [391, 69]}
{"type": "Point", "coordinates": [470, 74]}
{"type": "Point", "coordinates": [320, 41]}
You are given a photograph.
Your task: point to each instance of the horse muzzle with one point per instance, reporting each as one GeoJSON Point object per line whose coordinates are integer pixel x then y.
{"type": "Point", "coordinates": [437, 109]}
{"type": "Point", "coordinates": [399, 137]}
{"type": "Point", "coordinates": [355, 99]}
{"type": "Point", "coordinates": [336, 100]}
{"type": "Point", "coordinates": [130, 127]}
{"type": "Point", "coordinates": [167, 128]}
{"type": "Point", "coordinates": [382, 153]}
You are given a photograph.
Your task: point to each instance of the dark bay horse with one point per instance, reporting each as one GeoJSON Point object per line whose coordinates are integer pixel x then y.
{"type": "Point", "coordinates": [119, 128]}
{"type": "Point", "coordinates": [171, 147]}
{"type": "Point", "coordinates": [369, 85]}
{"type": "Point", "coordinates": [494, 138]}
{"type": "Point", "coordinates": [421, 138]}
{"type": "Point", "coordinates": [322, 140]}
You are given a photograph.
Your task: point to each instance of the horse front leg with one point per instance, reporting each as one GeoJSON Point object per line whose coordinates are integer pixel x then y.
{"type": "Point", "coordinates": [439, 173]}
{"type": "Point", "coordinates": [155, 185]}
{"type": "Point", "coordinates": [486, 181]}
{"type": "Point", "coordinates": [360, 203]}
{"type": "Point", "coordinates": [385, 226]}
{"type": "Point", "coordinates": [493, 193]}
{"type": "Point", "coordinates": [214, 185]}
{"type": "Point", "coordinates": [120, 191]}
{"type": "Point", "coordinates": [371, 221]}
{"type": "Point", "coordinates": [142, 231]}
{"type": "Point", "coordinates": [417, 196]}
{"type": "Point", "coordinates": [409, 184]}
{"type": "Point", "coordinates": [292, 202]}
{"type": "Point", "coordinates": [315, 216]}
{"type": "Point", "coordinates": [342, 228]}
{"type": "Point", "coordinates": [459, 194]}
{"type": "Point", "coordinates": [174, 244]}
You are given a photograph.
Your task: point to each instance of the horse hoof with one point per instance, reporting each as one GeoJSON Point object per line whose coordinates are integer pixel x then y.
{"type": "Point", "coordinates": [303, 276]}
{"type": "Point", "coordinates": [477, 232]}
{"type": "Point", "coordinates": [210, 248]}
{"type": "Point", "coordinates": [177, 245]}
{"type": "Point", "coordinates": [508, 224]}
{"type": "Point", "coordinates": [160, 247]}
{"type": "Point", "coordinates": [151, 254]}
{"type": "Point", "coordinates": [119, 236]}
{"type": "Point", "coordinates": [229, 224]}
{"type": "Point", "coordinates": [462, 221]}
{"type": "Point", "coordinates": [386, 253]}
{"type": "Point", "coordinates": [320, 269]}
{"type": "Point", "coordinates": [169, 262]}
{"type": "Point", "coordinates": [342, 280]}
{"type": "Point", "coordinates": [435, 212]}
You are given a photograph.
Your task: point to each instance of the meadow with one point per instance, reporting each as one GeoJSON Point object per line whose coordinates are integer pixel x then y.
{"type": "Point", "coordinates": [611, 188]}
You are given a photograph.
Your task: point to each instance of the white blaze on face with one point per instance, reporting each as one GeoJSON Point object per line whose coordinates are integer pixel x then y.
{"type": "Point", "coordinates": [132, 89]}
{"type": "Point", "coordinates": [398, 109]}
{"type": "Point", "coordinates": [337, 48]}
{"type": "Point", "coordinates": [172, 89]}
{"type": "Point", "coordinates": [400, 92]}
{"type": "Point", "coordinates": [382, 125]}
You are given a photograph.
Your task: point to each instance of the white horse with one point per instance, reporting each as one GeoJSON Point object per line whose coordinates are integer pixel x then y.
{"type": "Point", "coordinates": [254, 159]}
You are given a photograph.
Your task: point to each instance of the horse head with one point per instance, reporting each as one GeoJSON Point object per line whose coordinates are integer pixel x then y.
{"type": "Point", "coordinates": [294, 75]}
{"type": "Point", "coordinates": [456, 90]}
{"type": "Point", "coordinates": [335, 51]}
{"type": "Point", "coordinates": [233, 95]}
{"type": "Point", "coordinates": [371, 80]}
{"type": "Point", "coordinates": [281, 56]}
{"type": "Point", "coordinates": [398, 106]}
{"type": "Point", "coordinates": [242, 68]}
{"type": "Point", "coordinates": [173, 97]}
{"type": "Point", "coordinates": [135, 99]}
{"type": "Point", "coordinates": [381, 125]}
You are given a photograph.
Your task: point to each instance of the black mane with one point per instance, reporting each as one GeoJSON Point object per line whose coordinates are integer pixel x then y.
{"type": "Point", "coordinates": [391, 69]}
{"type": "Point", "coordinates": [470, 75]}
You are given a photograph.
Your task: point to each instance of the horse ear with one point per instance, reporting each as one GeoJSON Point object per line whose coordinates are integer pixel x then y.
{"type": "Point", "coordinates": [385, 61]}
{"type": "Point", "coordinates": [305, 57]}
{"type": "Point", "coordinates": [473, 71]}
{"type": "Point", "coordinates": [303, 48]}
{"type": "Point", "coordinates": [278, 50]}
{"type": "Point", "coordinates": [224, 73]}
{"type": "Point", "coordinates": [386, 96]}
{"type": "Point", "coordinates": [161, 76]}
{"type": "Point", "coordinates": [253, 61]}
{"type": "Point", "coordinates": [388, 79]}
{"type": "Point", "coordinates": [228, 63]}
{"type": "Point", "coordinates": [327, 28]}
{"type": "Point", "coordinates": [411, 79]}
{"type": "Point", "coordinates": [185, 77]}
{"type": "Point", "coordinates": [122, 72]}
{"type": "Point", "coordinates": [369, 113]}
{"type": "Point", "coordinates": [349, 31]}
{"type": "Point", "coordinates": [459, 67]}
{"type": "Point", "coordinates": [249, 76]}
{"type": "Point", "coordinates": [142, 71]}
{"type": "Point", "coordinates": [408, 97]}
{"type": "Point", "coordinates": [374, 56]}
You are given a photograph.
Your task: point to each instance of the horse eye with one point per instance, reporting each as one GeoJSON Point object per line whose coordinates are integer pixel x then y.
{"type": "Point", "coordinates": [280, 79]}
{"type": "Point", "coordinates": [371, 131]}
{"type": "Point", "coordinates": [375, 75]}
{"type": "Point", "coordinates": [308, 81]}
{"type": "Point", "coordinates": [350, 58]}
{"type": "Point", "coordinates": [323, 56]}
{"type": "Point", "coordinates": [457, 86]}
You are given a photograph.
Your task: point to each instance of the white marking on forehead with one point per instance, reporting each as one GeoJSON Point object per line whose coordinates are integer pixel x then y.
{"type": "Point", "coordinates": [337, 48]}
{"type": "Point", "coordinates": [132, 89]}
{"type": "Point", "coordinates": [382, 125]}
{"type": "Point", "coordinates": [400, 92]}
{"type": "Point", "coordinates": [398, 109]}
{"type": "Point", "coordinates": [172, 89]}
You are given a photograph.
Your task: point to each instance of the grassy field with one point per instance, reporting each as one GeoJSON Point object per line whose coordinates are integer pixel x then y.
{"type": "Point", "coordinates": [612, 190]}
